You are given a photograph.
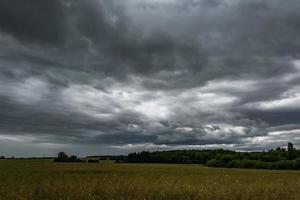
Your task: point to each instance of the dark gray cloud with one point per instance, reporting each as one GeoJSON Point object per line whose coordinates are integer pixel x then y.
{"type": "Point", "coordinates": [104, 76]}
{"type": "Point", "coordinates": [34, 21]}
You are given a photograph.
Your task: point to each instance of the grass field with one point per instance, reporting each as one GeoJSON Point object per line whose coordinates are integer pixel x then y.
{"type": "Point", "coordinates": [43, 179]}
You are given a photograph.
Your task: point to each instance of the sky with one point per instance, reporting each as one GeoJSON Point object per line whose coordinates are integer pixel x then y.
{"type": "Point", "coordinates": [112, 77]}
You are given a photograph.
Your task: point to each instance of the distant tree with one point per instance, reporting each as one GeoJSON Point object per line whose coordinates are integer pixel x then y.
{"type": "Point", "coordinates": [297, 163]}
{"type": "Point", "coordinates": [212, 163]}
{"type": "Point", "coordinates": [280, 149]}
{"type": "Point", "coordinates": [93, 161]}
{"type": "Point", "coordinates": [279, 158]}
{"type": "Point", "coordinates": [290, 146]}
{"type": "Point", "coordinates": [226, 158]}
{"type": "Point", "coordinates": [73, 158]}
{"type": "Point", "coordinates": [2, 157]}
{"type": "Point", "coordinates": [263, 165]}
{"type": "Point", "coordinates": [247, 164]}
{"type": "Point", "coordinates": [292, 153]}
{"type": "Point", "coordinates": [62, 156]}
{"type": "Point", "coordinates": [285, 164]}
{"type": "Point", "coordinates": [233, 164]}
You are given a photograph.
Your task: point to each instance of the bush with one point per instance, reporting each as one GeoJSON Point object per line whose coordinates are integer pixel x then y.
{"type": "Point", "coordinates": [247, 164]}
{"type": "Point", "coordinates": [226, 158]}
{"type": "Point", "coordinates": [263, 165]}
{"type": "Point", "coordinates": [73, 158]}
{"type": "Point", "coordinates": [62, 157]}
{"type": "Point", "coordinates": [215, 163]}
{"type": "Point", "coordinates": [297, 163]}
{"type": "Point", "coordinates": [233, 164]}
{"type": "Point", "coordinates": [93, 161]}
{"type": "Point", "coordinates": [285, 164]}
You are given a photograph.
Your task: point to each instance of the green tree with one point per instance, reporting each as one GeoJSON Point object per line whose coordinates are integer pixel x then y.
{"type": "Point", "coordinates": [61, 157]}
{"type": "Point", "coordinates": [292, 154]}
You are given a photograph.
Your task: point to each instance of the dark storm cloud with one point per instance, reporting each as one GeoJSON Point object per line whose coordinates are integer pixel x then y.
{"type": "Point", "coordinates": [127, 47]}
{"type": "Point", "coordinates": [33, 20]}
{"type": "Point", "coordinates": [132, 75]}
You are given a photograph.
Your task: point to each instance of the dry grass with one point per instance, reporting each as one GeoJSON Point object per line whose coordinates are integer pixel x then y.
{"type": "Point", "coordinates": [43, 179]}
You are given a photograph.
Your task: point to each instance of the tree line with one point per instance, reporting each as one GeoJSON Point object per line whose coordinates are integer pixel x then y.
{"type": "Point", "coordinates": [279, 158]}
{"type": "Point", "coordinates": [63, 157]}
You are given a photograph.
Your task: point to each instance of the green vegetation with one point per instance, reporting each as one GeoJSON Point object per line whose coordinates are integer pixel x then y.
{"type": "Point", "coordinates": [280, 158]}
{"type": "Point", "coordinates": [93, 161]}
{"type": "Point", "coordinates": [44, 179]}
{"type": "Point", "coordinates": [62, 157]}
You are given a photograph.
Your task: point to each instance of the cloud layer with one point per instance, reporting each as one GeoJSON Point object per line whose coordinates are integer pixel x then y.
{"type": "Point", "coordinates": [105, 76]}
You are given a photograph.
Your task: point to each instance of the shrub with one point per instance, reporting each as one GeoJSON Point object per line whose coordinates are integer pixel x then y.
{"type": "Point", "coordinates": [285, 164]}
{"type": "Point", "coordinates": [233, 164]}
{"type": "Point", "coordinates": [62, 157]}
{"type": "Point", "coordinates": [93, 161]}
{"type": "Point", "coordinates": [214, 163]}
{"type": "Point", "coordinates": [73, 158]}
{"type": "Point", "coordinates": [247, 164]}
{"type": "Point", "coordinates": [297, 163]}
{"type": "Point", "coordinates": [263, 165]}
{"type": "Point", "coordinates": [226, 158]}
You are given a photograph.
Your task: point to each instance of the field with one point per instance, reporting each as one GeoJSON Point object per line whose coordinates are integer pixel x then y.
{"type": "Point", "coordinates": [43, 179]}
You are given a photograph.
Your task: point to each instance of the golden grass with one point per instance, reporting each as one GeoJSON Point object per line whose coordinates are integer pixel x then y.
{"type": "Point", "coordinates": [43, 179]}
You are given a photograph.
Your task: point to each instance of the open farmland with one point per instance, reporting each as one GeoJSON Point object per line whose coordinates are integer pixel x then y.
{"type": "Point", "coordinates": [43, 179]}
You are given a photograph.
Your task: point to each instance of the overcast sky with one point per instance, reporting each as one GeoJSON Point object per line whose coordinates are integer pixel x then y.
{"type": "Point", "coordinates": [111, 77]}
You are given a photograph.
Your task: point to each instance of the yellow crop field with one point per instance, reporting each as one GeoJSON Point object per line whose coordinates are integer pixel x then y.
{"type": "Point", "coordinates": [43, 179]}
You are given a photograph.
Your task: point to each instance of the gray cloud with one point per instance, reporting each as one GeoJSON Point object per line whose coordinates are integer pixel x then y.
{"type": "Point", "coordinates": [118, 76]}
{"type": "Point", "coordinates": [34, 21]}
